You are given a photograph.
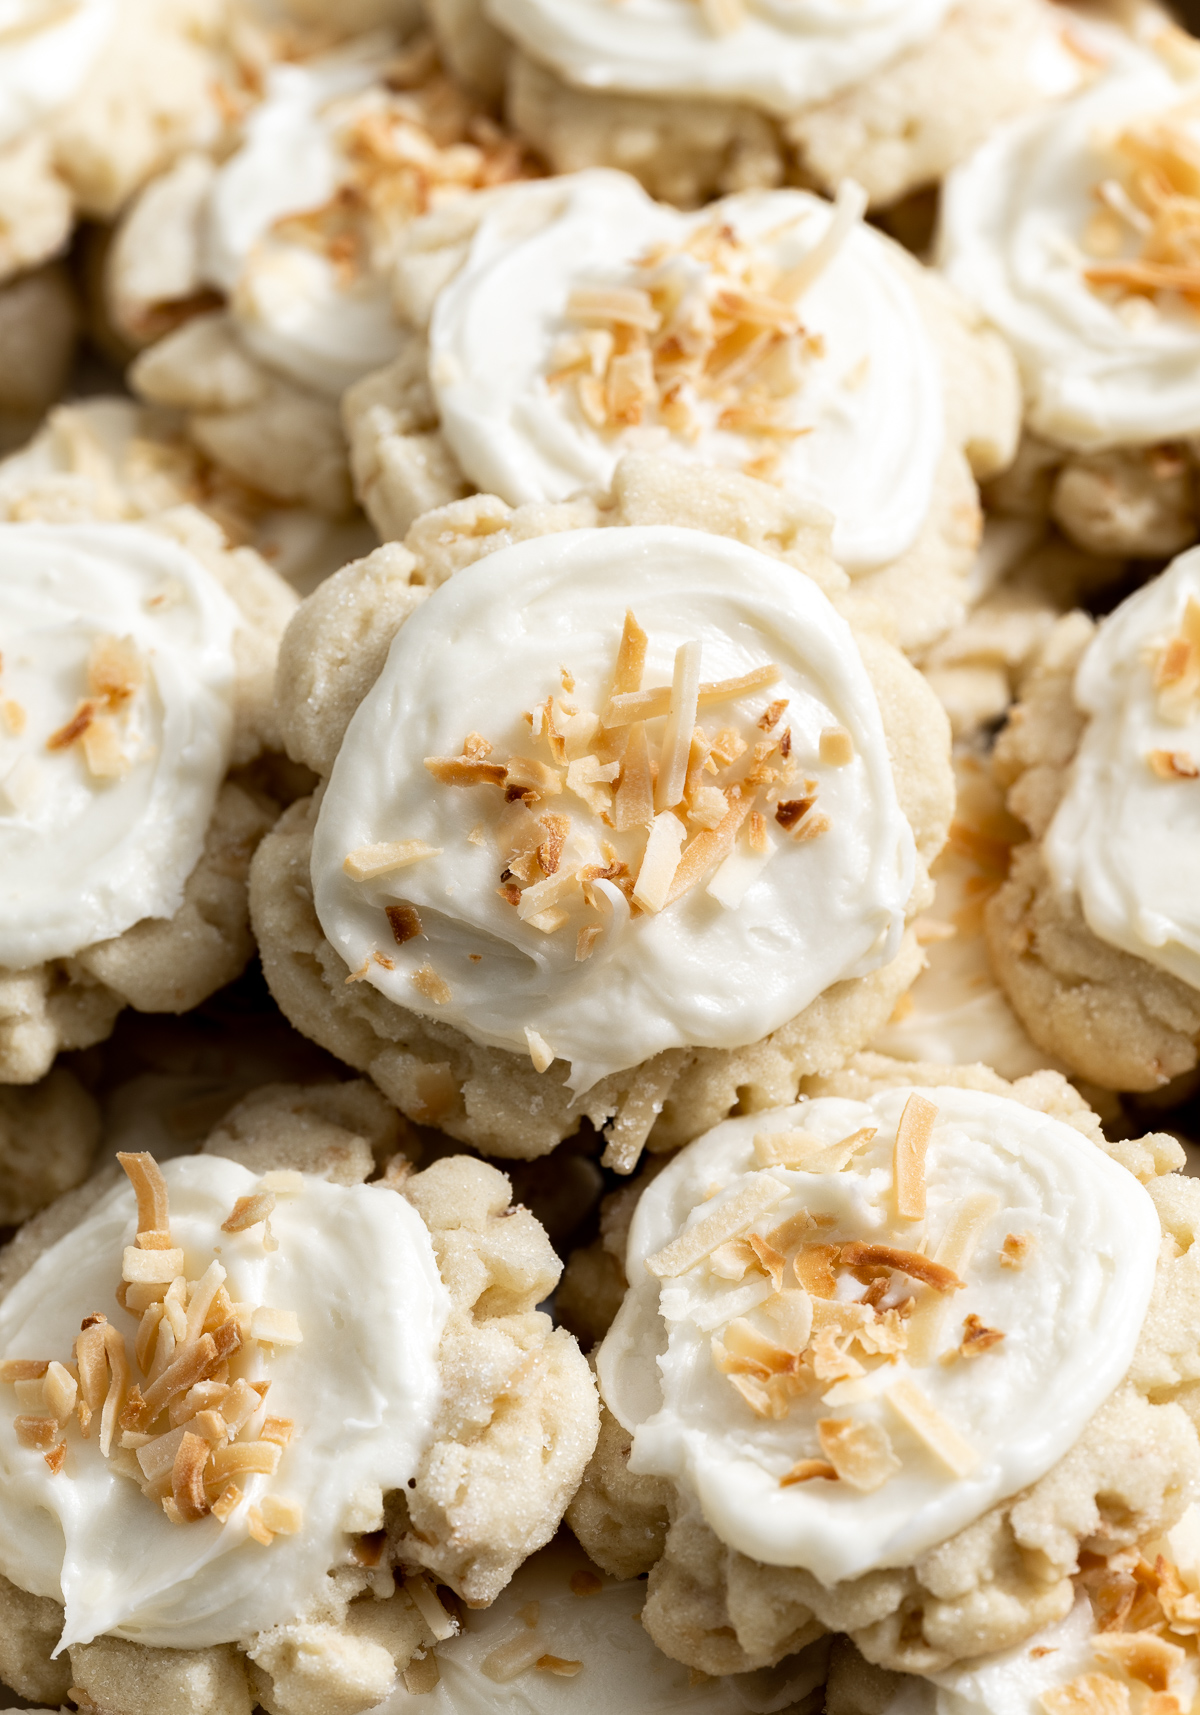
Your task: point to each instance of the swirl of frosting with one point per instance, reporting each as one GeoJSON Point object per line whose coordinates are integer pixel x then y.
{"type": "Point", "coordinates": [302, 222]}
{"type": "Point", "coordinates": [780, 55]}
{"type": "Point", "coordinates": [854, 1326]}
{"type": "Point", "coordinates": [692, 872]}
{"type": "Point", "coordinates": [1125, 836]}
{"type": "Point", "coordinates": [356, 1307]}
{"type": "Point", "coordinates": [771, 332]}
{"type": "Point", "coordinates": [47, 49]}
{"type": "Point", "coordinates": [1063, 229]}
{"type": "Point", "coordinates": [116, 714]}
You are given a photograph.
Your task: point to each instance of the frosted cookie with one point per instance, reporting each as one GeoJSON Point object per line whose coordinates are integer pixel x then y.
{"type": "Point", "coordinates": [772, 333]}
{"type": "Point", "coordinates": [702, 99]}
{"type": "Point", "coordinates": [1094, 936]}
{"type": "Point", "coordinates": [1068, 231]}
{"type": "Point", "coordinates": [342, 1400]}
{"type": "Point", "coordinates": [111, 458]}
{"type": "Point", "coordinates": [613, 909]}
{"type": "Point", "coordinates": [136, 674]}
{"type": "Point", "coordinates": [890, 1360]}
{"type": "Point", "coordinates": [563, 1639]}
{"type": "Point", "coordinates": [1132, 1628]}
{"type": "Point", "coordinates": [294, 236]}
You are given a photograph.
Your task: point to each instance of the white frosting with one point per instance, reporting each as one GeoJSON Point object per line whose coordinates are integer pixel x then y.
{"type": "Point", "coordinates": [1011, 1682]}
{"type": "Point", "coordinates": [1070, 1316]}
{"type": "Point", "coordinates": [83, 857]}
{"type": "Point", "coordinates": [1098, 370]}
{"type": "Point", "coordinates": [1122, 838]}
{"type": "Point", "coordinates": [622, 1670]}
{"type": "Point", "coordinates": [872, 401]}
{"type": "Point", "coordinates": [290, 304]}
{"type": "Point", "coordinates": [47, 49]}
{"type": "Point", "coordinates": [783, 56]}
{"type": "Point", "coordinates": [486, 647]}
{"type": "Point", "coordinates": [356, 1266]}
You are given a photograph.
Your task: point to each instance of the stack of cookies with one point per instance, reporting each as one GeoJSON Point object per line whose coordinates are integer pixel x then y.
{"type": "Point", "coordinates": [599, 634]}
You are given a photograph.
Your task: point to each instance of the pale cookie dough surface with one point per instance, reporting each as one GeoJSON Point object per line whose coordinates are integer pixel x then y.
{"type": "Point", "coordinates": [1001, 1578]}
{"type": "Point", "coordinates": [1101, 979]}
{"type": "Point", "coordinates": [514, 1426]}
{"type": "Point", "coordinates": [69, 997]}
{"type": "Point", "coordinates": [294, 235]}
{"type": "Point", "coordinates": [1072, 276]}
{"type": "Point", "coordinates": [435, 1074]}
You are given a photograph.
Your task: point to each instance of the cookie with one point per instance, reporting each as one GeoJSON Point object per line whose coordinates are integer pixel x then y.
{"type": "Point", "coordinates": [39, 326]}
{"type": "Point", "coordinates": [289, 242]}
{"type": "Point", "coordinates": [137, 674]}
{"type": "Point", "coordinates": [771, 333]}
{"type": "Point", "coordinates": [426, 1424]}
{"type": "Point", "coordinates": [1090, 936]}
{"type": "Point", "coordinates": [1047, 230]}
{"type": "Point", "coordinates": [704, 100]}
{"type": "Point", "coordinates": [400, 996]}
{"type": "Point", "coordinates": [847, 1454]}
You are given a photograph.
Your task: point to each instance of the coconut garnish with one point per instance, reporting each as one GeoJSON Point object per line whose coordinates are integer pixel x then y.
{"type": "Point", "coordinates": [179, 1420]}
{"type": "Point", "coordinates": [703, 801]}
{"type": "Point", "coordinates": [101, 724]}
{"type": "Point", "coordinates": [1153, 206]}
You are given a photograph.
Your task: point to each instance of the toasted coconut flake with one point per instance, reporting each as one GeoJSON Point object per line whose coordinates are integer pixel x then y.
{"type": "Point", "coordinates": [15, 716]}
{"type": "Point", "coordinates": [74, 729]}
{"type": "Point", "coordinates": [151, 1267]}
{"type": "Point", "coordinates": [592, 780]}
{"type": "Point", "coordinates": [791, 1231]}
{"type": "Point", "coordinates": [927, 1422]}
{"type": "Point", "coordinates": [710, 847]}
{"type": "Point", "coordinates": [36, 1432]}
{"type": "Point", "coordinates": [256, 1527]}
{"type": "Point", "coordinates": [540, 1051]}
{"type": "Point", "coordinates": [761, 1401]}
{"type": "Point", "coordinates": [527, 777]}
{"type": "Point", "coordinates": [281, 1515]}
{"type": "Point", "coordinates": [465, 771]}
{"type": "Point", "coordinates": [56, 1458]}
{"type": "Point", "coordinates": [830, 1356]}
{"type": "Point", "coordinates": [760, 1192]}
{"type": "Point", "coordinates": [187, 1477]}
{"type": "Point", "coordinates": [225, 1505]}
{"type": "Point", "coordinates": [804, 1153]}
{"type": "Point", "coordinates": [681, 720]}
{"type": "Point", "coordinates": [1174, 764]}
{"type": "Point", "coordinates": [860, 1453]}
{"type": "Point", "coordinates": [476, 747]}
{"type": "Point", "coordinates": [247, 1212]}
{"type": "Point", "coordinates": [836, 746]}
{"type": "Point", "coordinates": [367, 863]}
{"type": "Point", "coordinates": [659, 862]}
{"type": "Point", "coordinates": [743, 866]}
{"type": "Point", "coordinates": [404, 922]}
{"type": "Point", "coordinates": [976, 1339]}
{"type": "Point", "coordinates": [102, 750]}
{"type": "Point", "coordinates": [511, 1658]}
{"type": "Point", "coordinates": [150, 1188]}
{"type": "Point", "coordinates": [545, 894]}
{"type": "Point", "coordinates": [549, 852]}
{"type": "Point", "coordinates": [813, 1268]}
{"type": "Point", "coordinates": [275, 1327]}
{"type": "Point", "coordinates": [1014, 1252]}
{"type": "Point", "coordinates": [628, 305]}
{"type": "Point", "coordinates": [1088, 1694]}
{"type": "Point", "coordinates": [770, 1260]}
{"type": "Point", "coordinates": [633, 801]}
{"type": "Point", "coordinates": [908, 1156]}
{"type": "Point", "coordinates": [585, 941]}
{"type": "Point", "coordinates": [23, 1369]}
{"type": "Point", "coordinates": [558, 1665]}
{"type": "Point", "coordinates": [242, 1458]}
{"type": "Point", "coordinates": [427, 982]}
{"type": "Point", "coordinates": [849, 207]}
{"type": "Point", "coordinates": [808, 1470]}
{"type": "Point", "coordinates": [1144, 1656]}
{"type": "Point", "coordinates": [60, 1391]}
{"type": "Point", "coordinates": [933, 1274]}
{"type": "Point", "coordinates": [790, 812]}
{"type": "Point", "coordinates": [812, 826]}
